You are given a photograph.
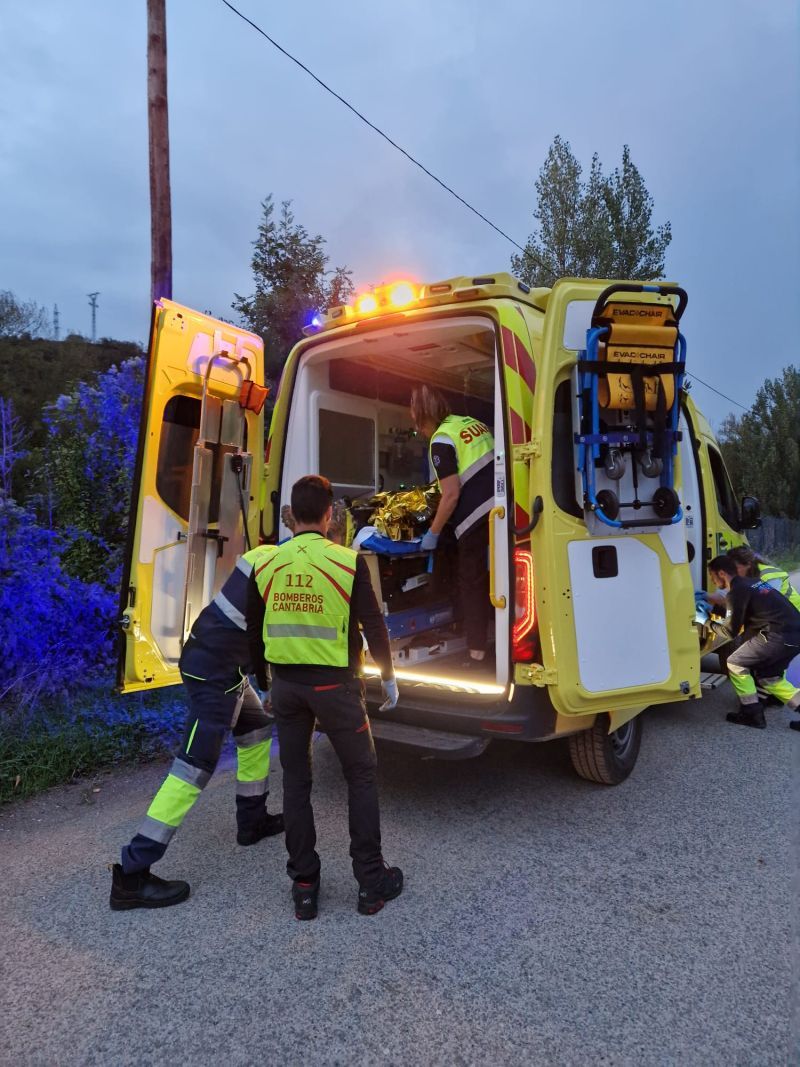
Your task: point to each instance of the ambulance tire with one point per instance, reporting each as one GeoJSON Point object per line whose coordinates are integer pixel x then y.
{"type": "Point", "coordinates": [605, 758]}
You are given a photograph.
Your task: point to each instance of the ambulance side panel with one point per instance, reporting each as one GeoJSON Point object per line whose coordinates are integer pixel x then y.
{"type": "Point", "coordinates": [723, 518]}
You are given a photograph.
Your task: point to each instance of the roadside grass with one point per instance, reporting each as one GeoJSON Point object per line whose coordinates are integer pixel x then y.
{"type": "Point", "coordinates": [789, 559]}
{"type": "Point", "coordinates": [82, 732]}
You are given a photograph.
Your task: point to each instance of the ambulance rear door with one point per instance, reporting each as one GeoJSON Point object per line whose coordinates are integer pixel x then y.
{"type": "Point", "coordinates": [614, 607]}
{"type": "Point", "coordinates": [195, 501]}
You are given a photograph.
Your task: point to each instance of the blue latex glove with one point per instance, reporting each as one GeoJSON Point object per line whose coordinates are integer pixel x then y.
{"type": "Point", "coordinates": [429, 541]}
{"type": "Point", "coordinates": [702, 612]}
{"type": "Point", "coordinates": [390, 692]}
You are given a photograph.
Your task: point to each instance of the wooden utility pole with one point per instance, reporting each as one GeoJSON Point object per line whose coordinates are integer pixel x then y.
{"type": "Point", "coordinates": [158, 124]}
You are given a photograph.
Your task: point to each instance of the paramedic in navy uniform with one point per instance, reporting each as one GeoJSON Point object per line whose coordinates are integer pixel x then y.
{"type": "Point", "coordinates": [462, 454]}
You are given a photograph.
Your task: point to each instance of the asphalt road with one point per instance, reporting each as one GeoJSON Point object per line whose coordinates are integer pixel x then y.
{"type": "Point", "coordinates": [545, 920]}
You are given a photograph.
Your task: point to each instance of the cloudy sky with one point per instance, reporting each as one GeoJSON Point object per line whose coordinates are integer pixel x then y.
{"type": "Point", "coordinates": [704, 91]}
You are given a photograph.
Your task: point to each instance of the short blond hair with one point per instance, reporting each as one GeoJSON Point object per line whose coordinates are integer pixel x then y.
{"type": "Point", "coordinates": [428, 405]}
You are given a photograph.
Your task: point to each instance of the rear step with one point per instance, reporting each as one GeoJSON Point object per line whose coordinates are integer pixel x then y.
{"type": "Point", "coordinates": [419, 741]}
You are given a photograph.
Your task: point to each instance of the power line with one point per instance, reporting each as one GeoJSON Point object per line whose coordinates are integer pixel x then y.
{"type": "Point", "coordinates": [377, 129]}
{"type": "Point", "coordinates": [525, 250]}
{"type": "Point", "coordinates": [713, 390]}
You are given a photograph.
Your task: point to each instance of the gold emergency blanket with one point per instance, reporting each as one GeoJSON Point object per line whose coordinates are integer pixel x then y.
{"type": "Point", "coordinates": [404, 514]}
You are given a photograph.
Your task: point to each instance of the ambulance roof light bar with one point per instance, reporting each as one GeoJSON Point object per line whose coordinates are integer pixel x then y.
{"type": "Point", "coordinates": [404, 295]}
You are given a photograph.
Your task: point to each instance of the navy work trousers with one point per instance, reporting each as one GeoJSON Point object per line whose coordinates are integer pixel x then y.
{"type": "Point", "coordinates": [342, 714]}
{"type": "Point", "coordinates": [220, 699]}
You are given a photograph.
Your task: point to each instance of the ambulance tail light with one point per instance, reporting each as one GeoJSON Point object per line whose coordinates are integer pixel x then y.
{"type": "Point", "coordinates": [524, 635]}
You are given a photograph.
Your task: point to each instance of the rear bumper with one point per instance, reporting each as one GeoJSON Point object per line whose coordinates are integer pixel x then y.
{"type": "Point", "coordinates": [460, 725]}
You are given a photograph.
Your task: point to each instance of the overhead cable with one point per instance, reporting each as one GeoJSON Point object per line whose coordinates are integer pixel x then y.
{"type": "Point", "coordinates": [412, 159]}
{"type": "Point", "coordinates": [713, 390]}
{"type": "Point", "coordinates": [377, 129]}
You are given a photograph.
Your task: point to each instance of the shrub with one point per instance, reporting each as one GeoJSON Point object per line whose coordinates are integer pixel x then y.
{"type": "Point", "coordinates": [55, 630]}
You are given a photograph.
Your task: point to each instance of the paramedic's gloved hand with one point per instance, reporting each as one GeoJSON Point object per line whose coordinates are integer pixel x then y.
{"type": "Point", "coordinates": [702, 612]}
{"type": "Point", "coordinates": [429, 541]}
{"type": "Point", "coordinates": [391, 692]}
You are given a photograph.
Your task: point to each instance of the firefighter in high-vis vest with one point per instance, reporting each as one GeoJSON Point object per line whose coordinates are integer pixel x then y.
{"type": "Point", "coordinates": [214, 666]}
{"type": "Point", "coordinates": [307, 601]}
{"type": "Point", "coordinates": [770, 627]}
{"type": "Point", "coordinates": [462, 456]}
{"type": "Point", "coordinates": [750, 565]}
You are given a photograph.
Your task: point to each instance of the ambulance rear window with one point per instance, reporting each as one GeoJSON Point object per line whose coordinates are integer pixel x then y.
{"type": "Point", "coordinates": [726, 500]}
{"type": "Point", "coordinates": [347, 450]}
{"type": "Point", "coordinates": [179, 433]}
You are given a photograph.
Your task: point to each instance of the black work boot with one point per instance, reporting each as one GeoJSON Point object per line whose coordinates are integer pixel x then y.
{"type": "Point", "coordinates": [267, 826]}
{"type": "Point", "coordinates": [143, 890]}
{"type": "Point", "coordinates": [370, 901]}
{"type": "Point", "coordinates": [795, 725]}
{"type": "Point", "coordinates": [305, 896]}
{"type": "Point", "coordinates": [749, 715]}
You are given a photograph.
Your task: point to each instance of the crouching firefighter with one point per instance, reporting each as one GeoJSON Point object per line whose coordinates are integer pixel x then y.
{"type": "Point", "coordinates": [214, 666]}
{"type": "Point", "coordinates": [771, 640]}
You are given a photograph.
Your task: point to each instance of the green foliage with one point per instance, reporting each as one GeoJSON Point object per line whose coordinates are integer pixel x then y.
{"type": "Point", "coordinates": [788, 560]}
{"type": "Point", "coordinates": [33, 373]}
{"type": "Point", "coordinates": [600, 227]}
{"type": "Point", "coordinates": [762, 447]}
{"type": "Point", "coordinates": [89, 467]}
{"type": "Point", "coordinates": [22, 317]}
{"type": "Point", "coordinates": [291, 280]}
{"type": "Point", "coordinates": [85, 731]}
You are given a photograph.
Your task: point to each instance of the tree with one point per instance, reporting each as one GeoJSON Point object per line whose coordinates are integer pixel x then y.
{"type": "Point", "coordinates": [19, 317]}
{"type": "Point", "coordinates": [597, 228]}
{"type": "Point", "coordinates": [762, 447]}
{"type": "Point", "coordinates": [12, 441]}
{"type": "Point", "coordinates": [292, 281]}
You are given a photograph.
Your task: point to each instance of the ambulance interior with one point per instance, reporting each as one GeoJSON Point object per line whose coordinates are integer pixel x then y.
{"type": "Point", "coordinates": [349, 421]}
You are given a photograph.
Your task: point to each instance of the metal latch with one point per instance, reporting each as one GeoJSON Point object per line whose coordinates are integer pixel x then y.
{"type": "Point", "coordinates": [527, 451]}
{"type": "Point", "coordinates": [538, 675]}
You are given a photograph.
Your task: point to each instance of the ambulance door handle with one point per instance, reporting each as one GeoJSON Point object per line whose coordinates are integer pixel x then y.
{"type": "Point", "coordinates": [495, 513]}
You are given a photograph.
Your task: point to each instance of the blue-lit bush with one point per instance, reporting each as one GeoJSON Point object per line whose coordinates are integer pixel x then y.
{"type": "Point", "coordinates": [60, 563]}
{"type": "Point", "coordinates": [92, 437]}
{"type": "Point", "coordinates": [55, 630]}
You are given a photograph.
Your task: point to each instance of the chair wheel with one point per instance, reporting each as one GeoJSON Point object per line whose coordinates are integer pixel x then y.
{"type": "Point", "coordinates": [665, 502]}
{"type": "Point", "coordinates": [614, 463]}
{"type": "Point", "coordinates": [651, 465]}
{"type": "Point", "coordinates": [608, 502]}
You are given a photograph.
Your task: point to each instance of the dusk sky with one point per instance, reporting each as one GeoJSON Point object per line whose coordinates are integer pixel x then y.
{"type": "Point", "coordinates": [704, 92]}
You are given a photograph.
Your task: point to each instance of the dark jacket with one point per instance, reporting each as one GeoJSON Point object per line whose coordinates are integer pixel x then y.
{"type": "Point", "coordinates": [758, 608]}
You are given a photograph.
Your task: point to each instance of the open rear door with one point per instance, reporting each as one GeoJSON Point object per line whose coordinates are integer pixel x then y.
{"type": "Point", "coordinates": [615, 602]}
{"type": "Point", "coordinates": [196, 488]}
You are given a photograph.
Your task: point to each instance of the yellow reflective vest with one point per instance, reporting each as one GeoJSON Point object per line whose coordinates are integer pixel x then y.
{"type": "Point", "coordinates": [306, 584]}
{"type": "Point", "coordinates": [769, 573]}
{"type": "Point", "coordinates": [474, 447]}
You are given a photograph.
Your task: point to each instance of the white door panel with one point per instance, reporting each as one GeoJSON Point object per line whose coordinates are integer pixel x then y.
{"type": "Point", "coordinates": [620, 625]}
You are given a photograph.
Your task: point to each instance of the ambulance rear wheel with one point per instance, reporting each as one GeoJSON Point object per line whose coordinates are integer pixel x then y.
{"type": "Point", "coordinates": [608, 759]}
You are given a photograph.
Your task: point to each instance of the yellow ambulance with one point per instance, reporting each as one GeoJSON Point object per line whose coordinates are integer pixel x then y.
{"type": "Point", "coordinates": [610, 496]}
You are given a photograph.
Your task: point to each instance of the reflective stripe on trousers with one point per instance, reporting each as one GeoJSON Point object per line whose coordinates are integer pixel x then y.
{"type": "Point", "coordinates": [252, 762]}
